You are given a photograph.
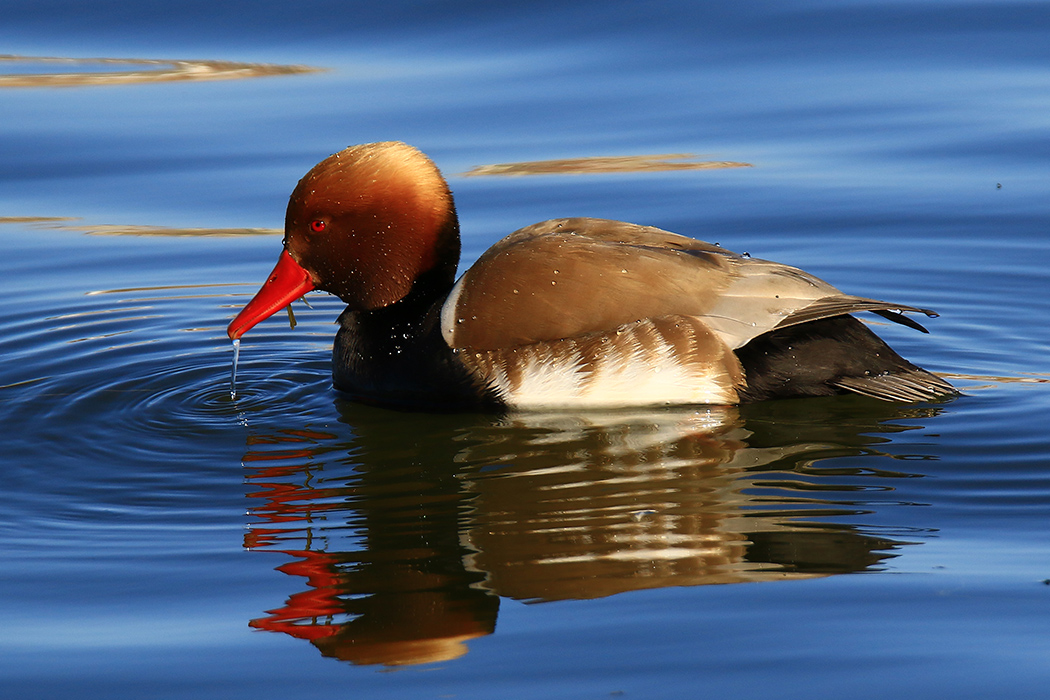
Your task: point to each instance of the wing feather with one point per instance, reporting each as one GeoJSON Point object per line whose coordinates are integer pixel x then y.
{"type": "Point", "coordinates": [567, 278]}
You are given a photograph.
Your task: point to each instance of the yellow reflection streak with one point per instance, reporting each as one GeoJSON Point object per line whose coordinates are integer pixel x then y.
{"type": "Point", "coordinates": [61, 223]}
{"type": "Point", "coordinates": [603, 164]}
{"type": "Point", "coordinates": [143, 230]}
{"type": "Point", "coordinates": [145, 70]}
{"type": "Point", "coordinates": [1024, 378]}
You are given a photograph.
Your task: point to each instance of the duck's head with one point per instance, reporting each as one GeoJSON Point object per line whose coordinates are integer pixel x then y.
{"type": "Point", "coordinates": [364, 224]}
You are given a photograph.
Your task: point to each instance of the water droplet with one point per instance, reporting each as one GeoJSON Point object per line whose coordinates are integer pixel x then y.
{"type": "Point", "coordinates": [233, 370]}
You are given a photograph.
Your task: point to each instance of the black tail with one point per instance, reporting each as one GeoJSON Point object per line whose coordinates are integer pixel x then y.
{"type": "Point", "coordinates": [832, 356]}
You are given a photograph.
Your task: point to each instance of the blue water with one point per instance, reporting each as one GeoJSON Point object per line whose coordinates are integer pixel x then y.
{"type": "Point", "coordinates": [159, 539]}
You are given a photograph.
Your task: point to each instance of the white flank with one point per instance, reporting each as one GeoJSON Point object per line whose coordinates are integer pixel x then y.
{"type": "Point", "coordinates": [546, 381]}
{"type": "Point", "coordinates": [626, 375]}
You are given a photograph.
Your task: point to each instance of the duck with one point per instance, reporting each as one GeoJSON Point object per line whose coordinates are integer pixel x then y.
{"type": "Point", "coordinates": [568, 313]}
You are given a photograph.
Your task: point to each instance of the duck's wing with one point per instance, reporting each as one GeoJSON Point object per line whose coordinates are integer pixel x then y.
{"type": "Point", "coordinates": [567, 278]}
{"type": "Point", "coordinates": [766, 295]}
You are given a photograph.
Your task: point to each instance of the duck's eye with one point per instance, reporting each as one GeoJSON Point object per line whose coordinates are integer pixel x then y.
{"type": "Point", "coordinates": [318, 225]}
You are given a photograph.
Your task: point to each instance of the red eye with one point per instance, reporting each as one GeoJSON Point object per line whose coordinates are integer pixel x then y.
{"type": "Point", "coordinates": [318, 225]}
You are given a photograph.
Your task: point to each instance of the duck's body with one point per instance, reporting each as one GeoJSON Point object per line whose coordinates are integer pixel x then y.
{"type": "Point", "coordinates": [568, 312]}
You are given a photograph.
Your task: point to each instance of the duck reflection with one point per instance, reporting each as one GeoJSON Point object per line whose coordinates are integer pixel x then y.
{"type": "Point", "coordinates": [407, 532]}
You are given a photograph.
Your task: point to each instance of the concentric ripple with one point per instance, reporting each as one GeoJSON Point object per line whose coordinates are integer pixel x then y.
{"type": "Point", "coordinates": [150, 367]}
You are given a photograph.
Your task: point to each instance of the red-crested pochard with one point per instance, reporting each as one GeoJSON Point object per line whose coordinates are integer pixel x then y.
{"type": "Point", "coordinates": [565, 313]}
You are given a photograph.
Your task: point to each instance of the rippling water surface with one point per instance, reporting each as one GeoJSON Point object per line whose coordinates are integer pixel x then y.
{"type": "Point", "coordinates": [160, 539]}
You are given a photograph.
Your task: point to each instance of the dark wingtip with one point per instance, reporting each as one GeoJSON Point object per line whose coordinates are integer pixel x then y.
{"type": "Point", "coordinates": [898, 317]}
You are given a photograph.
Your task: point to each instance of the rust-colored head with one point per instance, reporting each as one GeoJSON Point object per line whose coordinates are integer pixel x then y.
{"type": "Point", "coordinates": [363, 224]}
{"type": "Point", "coordinates": [369, 220]}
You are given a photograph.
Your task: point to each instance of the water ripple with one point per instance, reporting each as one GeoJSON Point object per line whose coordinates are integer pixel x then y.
{"type": "Point", "coordinates": [150, 367]}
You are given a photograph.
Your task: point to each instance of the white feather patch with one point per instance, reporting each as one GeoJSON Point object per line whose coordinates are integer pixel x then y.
{"type": "Point", "coordinates": [627, 373]}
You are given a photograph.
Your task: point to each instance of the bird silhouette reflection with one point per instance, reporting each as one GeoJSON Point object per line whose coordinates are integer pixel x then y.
{"type": "Point", "coordinates": [405, 530]}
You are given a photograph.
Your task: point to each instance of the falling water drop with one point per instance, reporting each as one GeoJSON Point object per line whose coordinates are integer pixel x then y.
{"type": "Point", "coordinates": [233, 370]}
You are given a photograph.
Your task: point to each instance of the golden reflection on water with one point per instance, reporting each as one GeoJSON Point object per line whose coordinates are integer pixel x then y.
{"type": "Point", "coordinates": [141, 70]}
{"type": "Point", "coordinates": [990, 381]}
{"type": "Point", "coordinates": [404, 537]}
{"type": "Point", "coordinates": [35, 220]}
{"type": "Point", "coordinates": [142, 230]}
{"type": "Point", "coordinates": [65, 223]}
{"type": "Point", "coordinates": [603, 164]}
